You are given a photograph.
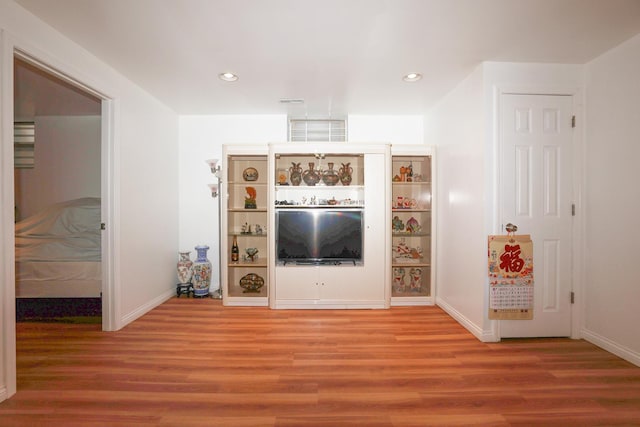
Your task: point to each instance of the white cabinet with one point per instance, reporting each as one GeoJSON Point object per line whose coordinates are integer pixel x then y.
{"type": "Point", "coordinates": [327, 287]}
{"type": "Point", "coordinates": [307, 278]}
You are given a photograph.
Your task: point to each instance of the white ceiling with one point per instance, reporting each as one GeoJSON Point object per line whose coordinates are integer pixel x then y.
{"type": "Point", "coordinates": [340, 56]}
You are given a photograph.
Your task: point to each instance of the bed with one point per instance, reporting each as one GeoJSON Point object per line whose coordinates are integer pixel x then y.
{"type": "Point", "coordinates": [58, 251]}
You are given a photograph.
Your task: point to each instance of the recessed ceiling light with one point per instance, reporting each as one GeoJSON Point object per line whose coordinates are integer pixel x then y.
{"type": "Point", "coordinates": [228, 77]}
{"type": "Point", "coordinates": [412, 77]}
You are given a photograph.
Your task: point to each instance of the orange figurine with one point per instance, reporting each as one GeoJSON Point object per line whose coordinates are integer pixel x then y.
{"type": "Point", "coordinates": [250, 199]}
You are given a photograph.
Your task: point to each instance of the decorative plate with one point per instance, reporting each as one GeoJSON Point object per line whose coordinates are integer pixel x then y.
{"type": "Point", "coordinates": [251, 283]}
{"type": "Point", "coordinates": [250, 174]}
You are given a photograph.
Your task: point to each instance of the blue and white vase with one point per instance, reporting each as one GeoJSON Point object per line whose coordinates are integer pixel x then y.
{"type": "Point", "coordinates": [201, 278]}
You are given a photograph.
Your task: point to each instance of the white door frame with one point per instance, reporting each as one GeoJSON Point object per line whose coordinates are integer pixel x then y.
{"type": "Point", "coordinates": [577, 245]}
{"type": "Point", "coordinates": [12, 47]}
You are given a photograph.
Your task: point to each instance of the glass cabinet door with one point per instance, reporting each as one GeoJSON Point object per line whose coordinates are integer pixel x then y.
{"type": "Point", "coordinates": [246, 245]}
{"type": "Point", "coordinates": [411, 203]}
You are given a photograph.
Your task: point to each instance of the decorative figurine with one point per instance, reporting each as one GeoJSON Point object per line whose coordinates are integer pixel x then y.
{"type": "Point", "coordinates": [398, 280]}
{"type": "Point", "coordinates": [250, 199]}
{"type": "Point", "coordinates": [413, 226]}
{"type": "Point", "coordinates": [415, 275]}
{"type": "Point", "coordinates": [397, 224]}
{"type": "Point", "coordinates": [251, 254]}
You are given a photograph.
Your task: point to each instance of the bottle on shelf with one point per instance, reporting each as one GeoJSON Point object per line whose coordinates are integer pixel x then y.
{"type": "Point", "coordinates": [235, 251]}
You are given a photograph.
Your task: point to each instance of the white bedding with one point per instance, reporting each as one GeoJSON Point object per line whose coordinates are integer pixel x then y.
{"type": "Point", "coordinates": [58, 251]}
{"type": "Point", "coordinates": [50, 279]}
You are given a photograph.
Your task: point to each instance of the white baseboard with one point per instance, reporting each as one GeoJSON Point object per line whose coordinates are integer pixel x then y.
{"type": "Point", "coordinates": [144, 309]}
{"type": "Point", "coordinates": [612, 347]}
{"type": "Point", "coordinates": [477, 331]}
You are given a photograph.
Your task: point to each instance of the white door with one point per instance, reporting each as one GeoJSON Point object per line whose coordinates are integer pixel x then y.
{"type": "Point", "coordinates": [536, 195]}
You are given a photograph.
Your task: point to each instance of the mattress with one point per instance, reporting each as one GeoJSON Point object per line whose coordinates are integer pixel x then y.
{"type": "Point", "coordinates": [50, 279]}
{"type": "Point", "coordinates": [58, 251]}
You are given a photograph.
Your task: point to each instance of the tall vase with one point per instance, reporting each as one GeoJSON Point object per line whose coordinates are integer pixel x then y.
{"type": "Point", "coordinates": [311, 176]}
{"type": "Point", "coordinates": [201, 278]}
{"type": "Point", "coordinates": [184, 268]}
{"type": "Point", "coordinates": [345, 173]}
{"type": "Point", "coordinates": [330, 177]}
{"type": "Point", "coordinates": [295, 174]}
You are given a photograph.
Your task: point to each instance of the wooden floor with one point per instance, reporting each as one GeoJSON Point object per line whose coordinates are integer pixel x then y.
{"type": "Point", "coordinates": [192, 362]}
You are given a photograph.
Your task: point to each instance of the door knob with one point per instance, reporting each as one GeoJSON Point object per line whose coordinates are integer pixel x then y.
{"type": "Point", "coordinates": [511, 228]}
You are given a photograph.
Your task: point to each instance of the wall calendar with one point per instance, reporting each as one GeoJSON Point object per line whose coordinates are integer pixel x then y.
{"type": "Point", "coordinates": [510, 277]}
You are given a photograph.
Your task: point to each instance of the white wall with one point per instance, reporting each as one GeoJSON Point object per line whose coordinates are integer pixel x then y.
{"type": "Point", "coordinates": [201, 138]}
{"type": "Point", "coordinates": [142, 169]}
{"type": "Point", "coordinates": [456, 127]}
{"type": "Point", "coordinates": [612, 200]}
{"type": "Point", "coordinates": [463, 127]}
{"type": "Point", "coordinates": [67, 163]}
{"type": "Point", "coordinates": [406, 129]}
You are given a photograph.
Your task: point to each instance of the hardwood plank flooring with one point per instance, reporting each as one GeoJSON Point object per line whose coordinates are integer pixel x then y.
{"type": "Point", "coordinates": [193, 362]}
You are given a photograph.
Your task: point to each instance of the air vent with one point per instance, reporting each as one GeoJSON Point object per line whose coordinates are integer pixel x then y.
{"type": "Point", "coordinates": [317, 130]}
{"type": "Point", "coordinates": [24, 138]}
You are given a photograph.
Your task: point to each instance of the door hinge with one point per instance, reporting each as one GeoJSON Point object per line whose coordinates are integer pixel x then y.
{"type": "Point", "coordinates": [573, 209]}
{"type": "Point", "coordinates": [573, 121]}
{"type": "Point", "coordinates": [103, 226]}
{"type": "Point", "coordinates": [573, 297]}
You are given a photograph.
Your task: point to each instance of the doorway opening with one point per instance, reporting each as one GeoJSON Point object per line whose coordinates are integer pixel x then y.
{"type": "Point", "coordinates": [57, 194]}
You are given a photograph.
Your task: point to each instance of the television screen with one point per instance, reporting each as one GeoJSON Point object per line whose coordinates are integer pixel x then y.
{"type": "Point", "coordinates": [319, 235]}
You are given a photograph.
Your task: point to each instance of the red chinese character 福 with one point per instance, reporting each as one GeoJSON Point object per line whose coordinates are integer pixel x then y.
{"type": "Point", "coordinates": [510, 260]}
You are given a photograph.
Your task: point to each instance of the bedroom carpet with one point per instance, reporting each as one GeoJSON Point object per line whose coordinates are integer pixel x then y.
{"type": "Point", "coordinates": [62, 310]}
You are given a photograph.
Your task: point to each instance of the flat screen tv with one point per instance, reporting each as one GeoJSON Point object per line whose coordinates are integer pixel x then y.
{"type": "Point", "coordinates": [319, 236]}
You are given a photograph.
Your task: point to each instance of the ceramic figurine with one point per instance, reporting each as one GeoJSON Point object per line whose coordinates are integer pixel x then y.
{"type": "Point", "coordinates": [415, 275]}
{"type": "Point", "coordinates": [398, 280]}
{"type": "Point", "coordinates": [250, 198]}
{"type": "Point", "coordinates": [397, 224]}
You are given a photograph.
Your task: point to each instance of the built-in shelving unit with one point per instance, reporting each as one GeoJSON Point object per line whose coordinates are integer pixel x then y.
{"type": "Point", "coordinates": [379, 255]}
{"type": "Point", "coordinates": [245, 281]}
{"type": "Point", "coordinates": [411, 225]}
{"type": "Point", "coordinates": [314, 180]}
{"type": "Point", "coordinates": [345, 185]}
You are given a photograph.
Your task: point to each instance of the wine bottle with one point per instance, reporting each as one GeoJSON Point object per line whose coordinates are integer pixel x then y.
{"type": "Point", "coordinates": [235, 252]}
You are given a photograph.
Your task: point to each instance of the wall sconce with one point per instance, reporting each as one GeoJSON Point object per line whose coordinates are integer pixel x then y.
{"type": "Point", "coordinates": [214, 189]}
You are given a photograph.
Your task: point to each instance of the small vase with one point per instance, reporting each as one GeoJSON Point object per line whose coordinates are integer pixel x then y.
{"type": "Point", "coordinates": [184, 268]}
{"type": "Point", "coordinates": [295, 174]}
{"type": "Point", "coordinates": [311, 176]}
{"type": "Point", "coordinates": [201, 278]}
{"type": "Point", "coordinates": [345, 173]}
{"type": "Point", "coordinates": [330, 177]}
